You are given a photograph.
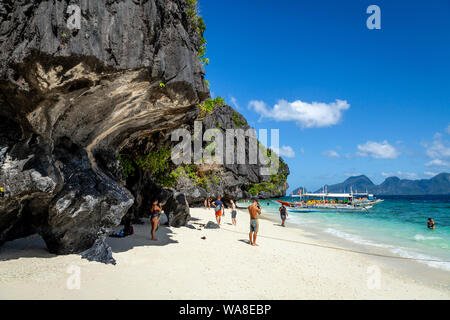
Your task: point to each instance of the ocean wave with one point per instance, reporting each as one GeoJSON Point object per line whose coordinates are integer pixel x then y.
{"type": "Point", "coordinates": [420, 237]}
{"type": "Point", "coordinates": [402, 252]}
{"type": "Point", "coordinates": [444, 265]}
{"type": "Point", "coordinates": [355, 238]}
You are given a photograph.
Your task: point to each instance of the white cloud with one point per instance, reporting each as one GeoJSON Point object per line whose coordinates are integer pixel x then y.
{"type": "Point", "coordinates": [331, 154]}
{"type": "Point", "coordinates": [401, 174]}
{"type": "Point", "coordinates": [379, 150]}
{"type": "Point", "coordinates": [234, 102]}
{"type": "Point", "coordinates": [438, 149]}
{"type": "Point", "coordinates": [430, 173]}
{"type": "Point", "coordinates": [307, 115]}
{"type": "Point", "coordinates": [285, 151]}
{"type": "Point", "coordinates": [348, 155]}
{"type": "Point", "coordinates": [437, 163]}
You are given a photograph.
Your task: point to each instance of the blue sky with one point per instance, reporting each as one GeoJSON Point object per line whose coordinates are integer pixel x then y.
{"type": "Point", "coordinates": [385, 93]}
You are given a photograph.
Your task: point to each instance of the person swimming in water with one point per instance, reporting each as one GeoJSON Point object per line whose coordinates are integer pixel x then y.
{"type": "Point", "coordinates": [430, 224]}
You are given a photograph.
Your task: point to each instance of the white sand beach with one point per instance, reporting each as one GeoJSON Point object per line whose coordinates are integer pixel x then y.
{"type": "Point", "coordinates": [181, 265]}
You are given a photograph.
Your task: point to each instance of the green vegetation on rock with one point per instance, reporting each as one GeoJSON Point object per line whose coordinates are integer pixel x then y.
{"type": "Point", "coordinates": [276, 181]}
{"type": "Point", "coordinates": [190, 172]}
{"type": "Point", "coordinates": [262, 187]}
{"type": "Point", "coordinates": [237, 120]}
{"type": "Point", "coordinates": [199, 26]}
{"type": "Point", "coordinates": [157, 163]}
{"type": "Point", "coordinates": [127, 165]}
{"type": "Point", "coordinates": [207, 106]}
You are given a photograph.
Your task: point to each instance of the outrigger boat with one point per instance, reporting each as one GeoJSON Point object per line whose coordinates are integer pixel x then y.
{"type": "Point", "coordinates": [331, 202]}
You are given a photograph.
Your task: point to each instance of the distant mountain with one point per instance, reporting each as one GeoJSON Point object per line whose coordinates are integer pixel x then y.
{"type": "Point", "coordinates": [296, 190]}
{"type": "Point", "coordinates": [439, 184]}
{"type": "Point", "coordinates": [360, 183]}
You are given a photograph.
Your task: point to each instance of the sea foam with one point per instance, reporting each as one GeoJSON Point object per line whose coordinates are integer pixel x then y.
{"type": "Point", "coordinates": [420, 237]}
{"type": "Point", "coordinates": [355, 238]}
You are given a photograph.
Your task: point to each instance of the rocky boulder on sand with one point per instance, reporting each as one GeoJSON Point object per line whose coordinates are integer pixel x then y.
{"type": "Point", "coordinates": [71, 101]}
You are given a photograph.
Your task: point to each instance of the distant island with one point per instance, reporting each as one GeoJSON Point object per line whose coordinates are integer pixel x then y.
{"type": "Point", "coordinates": [439, 184]}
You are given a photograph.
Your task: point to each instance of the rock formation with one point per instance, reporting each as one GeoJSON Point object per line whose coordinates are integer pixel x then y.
{"type": "Point", "coordinates": [72, 101]}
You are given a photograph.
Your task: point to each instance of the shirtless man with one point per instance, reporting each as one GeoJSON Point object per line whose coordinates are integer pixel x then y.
{"type": "Point", "coordinates": [233, 212]}
{"type": "Point", "coordinates": [254, 209]}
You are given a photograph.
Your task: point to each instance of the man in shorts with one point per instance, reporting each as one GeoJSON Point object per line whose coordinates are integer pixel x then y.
{"type": "Point", "coordinates": [233, 212]}
{"type": "Point", "coordinates": [218, 209]}
{"type": "Point", "coordinates": [254, 209]}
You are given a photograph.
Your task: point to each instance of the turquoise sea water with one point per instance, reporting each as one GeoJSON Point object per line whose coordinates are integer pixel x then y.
{"type": "Point", "coordinates": [398, 224]}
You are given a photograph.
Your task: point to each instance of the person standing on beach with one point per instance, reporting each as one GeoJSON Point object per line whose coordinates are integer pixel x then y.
{"type": "Point", "coordinates": [254, 209]}
{"type": "Point", "coordinates": [218, 209]}
{"type": "Point", "coordinates": [155, 211]}
{"type": "Point", "coordinates": [233, 212]}
{"type": "Point", "coordinates": [283, 215]}
{"type": "Point", "coordinates": [209, 203]}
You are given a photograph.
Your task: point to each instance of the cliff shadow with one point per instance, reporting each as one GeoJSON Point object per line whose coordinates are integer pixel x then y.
{"type": "Point", "coordinates": [30, 247]}
{"type": "Point", "coordinates": [34, 246]}
{"type": "Point", "coordinates": [141, 238]}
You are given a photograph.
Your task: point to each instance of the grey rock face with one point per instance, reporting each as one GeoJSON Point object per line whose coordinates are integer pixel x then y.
{"type": "Point", "coordinates": [231, 181]}
{"type": "Point", "coordinates": [177, 210]}
{"type": "Point", "coordinates": [125, 35]}
{"type": "Point", "coordinates": [100, 252]}
{"type": "Point", "coordinates": [71, 99]}
{"type": "Point", "coordinates": [212, 225]}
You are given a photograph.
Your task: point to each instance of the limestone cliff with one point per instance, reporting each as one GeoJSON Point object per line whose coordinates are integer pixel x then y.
{"type": "Point", "coordinates": [73, 101]}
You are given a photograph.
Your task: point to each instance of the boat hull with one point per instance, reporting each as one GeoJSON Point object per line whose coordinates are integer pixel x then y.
{"type": "Point", "coordinates": [330, 209]}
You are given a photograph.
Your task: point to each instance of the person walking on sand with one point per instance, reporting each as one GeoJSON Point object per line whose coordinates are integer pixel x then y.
{"type": "Point", "coordinates": [233, 212]}
{"type": "Point", "coordinates": [254, 209]}
{"type": "Point", "coordinates": [155, 211]}
{"type": "Point", "coordinates": [283, 215]}
{"type": "Point", "coordinates": [218, 204]}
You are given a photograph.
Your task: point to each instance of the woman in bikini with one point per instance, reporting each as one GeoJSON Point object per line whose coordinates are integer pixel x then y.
{"type": "Point", "coordinates": [155, 211]}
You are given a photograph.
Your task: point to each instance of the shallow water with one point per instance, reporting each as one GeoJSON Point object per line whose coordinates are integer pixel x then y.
{"type": "Point", "coordinates": [397, 224]}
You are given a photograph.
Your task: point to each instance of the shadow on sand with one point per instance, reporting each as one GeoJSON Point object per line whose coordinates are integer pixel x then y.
{"type": "Point", "coordinates": [141, 237]}
{"type": "Point", "coordinates": [246, 241]}
{"type": "Point", "coordinates": [30, 247]}
{"type": "Point", "coordinates": [34, 246]}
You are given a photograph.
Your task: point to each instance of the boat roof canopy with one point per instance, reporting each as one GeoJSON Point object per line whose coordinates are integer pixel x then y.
{"type": "Point", "coordinates": [328, 195]}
